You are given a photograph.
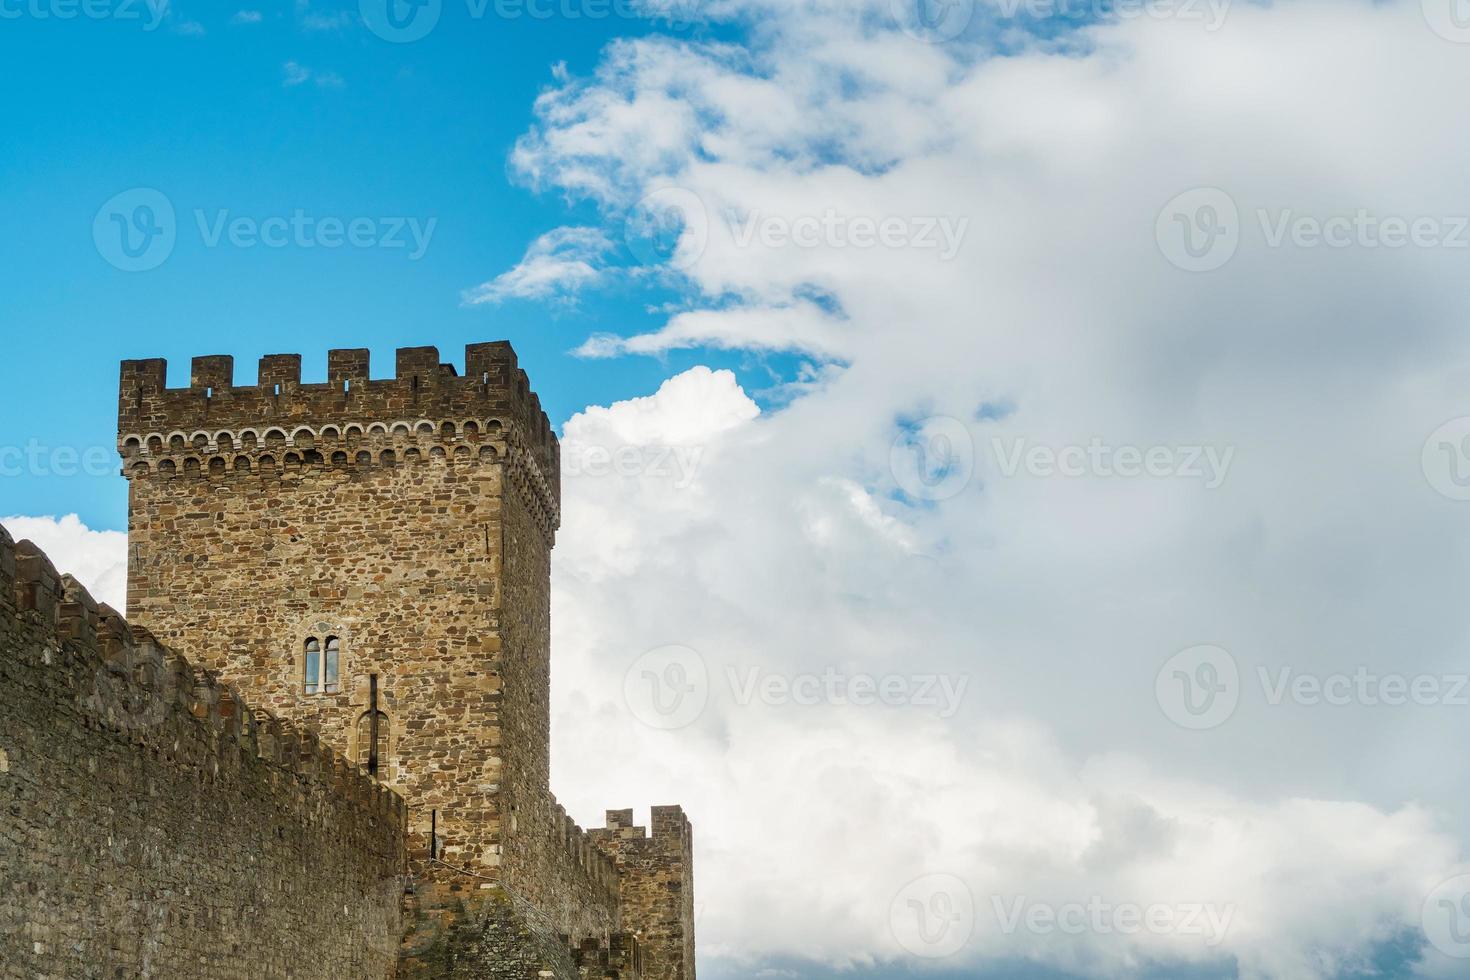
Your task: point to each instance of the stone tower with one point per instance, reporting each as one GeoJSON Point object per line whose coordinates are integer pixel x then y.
{"type": "Point", "coordinates": [328, 546]}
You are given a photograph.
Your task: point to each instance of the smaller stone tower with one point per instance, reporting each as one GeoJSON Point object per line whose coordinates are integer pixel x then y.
{"type": "Point", "coordinates": [656, 886]}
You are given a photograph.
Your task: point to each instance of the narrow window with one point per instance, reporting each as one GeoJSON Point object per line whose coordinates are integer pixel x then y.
{"type": "Point", "coordinates": [313, 665]}
{"type": "Point", "coordinates": [372, 741]}
{"type": "Point", "coordinates": [329, 683]}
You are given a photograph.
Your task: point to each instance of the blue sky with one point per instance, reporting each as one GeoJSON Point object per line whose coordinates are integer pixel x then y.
{"type": "Point", "coordinates": [200, 109]}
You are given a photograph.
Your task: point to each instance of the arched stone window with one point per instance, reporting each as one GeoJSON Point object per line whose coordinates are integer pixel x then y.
{"type": "Point", "coordinates": [332, 668]}
{"type": "Point", "coordinates": [313, 665]}
{"type": "Point", "coordinates": [322, 665]}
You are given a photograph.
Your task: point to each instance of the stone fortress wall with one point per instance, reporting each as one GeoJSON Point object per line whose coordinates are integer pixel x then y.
{"type": "Point", "coordinates": [156, 825]}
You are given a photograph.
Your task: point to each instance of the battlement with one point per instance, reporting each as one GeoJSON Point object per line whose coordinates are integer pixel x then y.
{"type": "Point", "coordinates": [656, 882]}
{"type": "Point", "coordinates": [671, 829]}
{"type": "Point", "coordinates": [119, 676]}
{"type": "Point", "coordinates": [581, 848]}
{"type": "Point", "coordinates": [425, 401]}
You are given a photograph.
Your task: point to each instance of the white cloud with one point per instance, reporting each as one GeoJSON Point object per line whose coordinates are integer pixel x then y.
{"type": "Point", "coordinates": [295, 73]}
{"type": "Point", "coordinates": [559, 263]}
{"type": "Point", "coordinates": [794, 549]}
{"type": "Point", "coordinates": [312, 19]}
{"type": "Point", "coordinates": [97, 559]}
{"type": "Point", "coordinates": [797, 326]}
{"type": "Point", "coordinates": [688, 408]}
{"type": "Point", "coordinates": [246, 17]}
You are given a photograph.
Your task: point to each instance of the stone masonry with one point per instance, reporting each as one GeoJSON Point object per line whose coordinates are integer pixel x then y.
{"type": "Point", "coordinates": [406, 525]}
{"type": "Point", "coordinates": [155, 826]}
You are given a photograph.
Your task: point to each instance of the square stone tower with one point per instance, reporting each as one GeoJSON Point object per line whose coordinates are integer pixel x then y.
{"type": "Point", "coordinates": [371, 559]}
{"type": "Point", "coordinates": [368, 557]}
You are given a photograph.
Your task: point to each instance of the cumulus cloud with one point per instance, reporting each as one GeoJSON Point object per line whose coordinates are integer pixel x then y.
{"type": "Point", "coordinates": [97, 559]}
{"type": "Point", "coordinates": [559, 263]}
{"type": "Point", "coordinates": [1312, 375]}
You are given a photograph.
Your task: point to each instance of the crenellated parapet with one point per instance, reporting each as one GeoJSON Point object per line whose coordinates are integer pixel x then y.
{"type": "Point", "coordinates": [578, 845]}
{"type": "Point", "coordinates": [427, 412]}
{"type": "Point", "coordinates": [123, 680]}
{"type": "Point", "coordinates": [656, 881]}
